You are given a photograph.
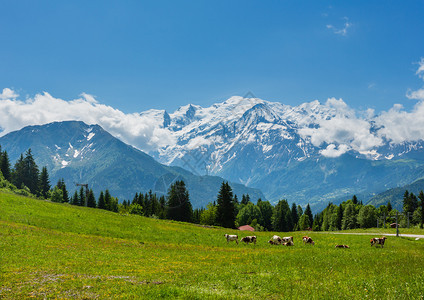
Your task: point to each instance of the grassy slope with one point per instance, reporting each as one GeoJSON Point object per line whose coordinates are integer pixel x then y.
{"type": "Point", "coordinates": [56, 250]}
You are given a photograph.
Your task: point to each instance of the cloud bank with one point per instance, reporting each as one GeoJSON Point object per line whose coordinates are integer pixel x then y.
{"type": "Point", "coordinates": [134, 129]}
{"type": "Point", "coordinates": [345, 130]}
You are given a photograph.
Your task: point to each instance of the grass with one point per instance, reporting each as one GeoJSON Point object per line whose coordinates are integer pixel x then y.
{"type": "Point", "coordinates": [51, 250]}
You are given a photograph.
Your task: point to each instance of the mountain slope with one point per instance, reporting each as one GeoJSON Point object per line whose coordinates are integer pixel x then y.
{"type": "Point", "coordinates": [309, 153]}
{"type": "Point", "coordinates": [82, 153]}
{"type": "Point", "coordinates": [395, 195]}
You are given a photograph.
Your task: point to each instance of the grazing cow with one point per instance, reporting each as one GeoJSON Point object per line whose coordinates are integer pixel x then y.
{"type": "Point", "coordinates": [287, 239]}
{"type": "Point", "coordinates": [231, 237]}
{"type": "Point", "coordinates": [308, 240]}
{"type": "Point", "coordinates": [378, 241]}
{"type": "Point", "coordinates": [249, 239]}
{"type": "Point", "coordinates": [342, 246]}
{"type": "Point", "coordinates": [289, 243]}
{"type": "Point", "coordinates": [275, 240]}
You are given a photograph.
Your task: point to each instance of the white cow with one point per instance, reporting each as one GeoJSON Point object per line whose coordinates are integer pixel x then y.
{"type": "Point", "coordinates": [275, 240]}
{"type": "Point", "coordinates": [287, 239]}
{"type": "Point", "coordinates": [231, 237]}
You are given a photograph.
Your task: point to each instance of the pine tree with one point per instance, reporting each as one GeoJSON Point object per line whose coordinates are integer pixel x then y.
{"type": "Point", "coordinates": [31, 172]}
{"type": "Point", "coordinates": [45, 183]}
{"type": "Point", "coordinates": [308, 212]}
{"type": "Point", "coordinates": [178, 205]}
{"type": "Point", "coordinates": [354, 199]}
{"type": "Point", "coordinates": [225, 206]}
{"type": "Point", "coordinates": [162, 205]}
{"type": "Point", "coordinates": [91, 200]}
{"type": "Point", "coordinates": [295, 216]}
{"type": "Point", "coordinates": [61, 184]}
{"type": "Point", "coordinates": [108, 200]}
{"type": "Point", "coordinates": [281, 218]}
{"type": "Point", "coordinates": [82, 197]}
{"type": "Point", "coordinates": [389, 206]}
{"type": "Point", "coordinates": [101, 203]}
{"type": "Point", "coordinates": [18, 172]}
{"type": "Point", "coordinates": [75, 199]}
{"type": "Point", "coordinates": [5, 166]}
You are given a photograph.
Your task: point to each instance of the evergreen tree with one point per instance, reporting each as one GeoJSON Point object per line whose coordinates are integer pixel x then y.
{"type": "Point", "coordinates": [308, 212]}
{"type": "Point", "coordinates": [108, 200]}
{"type": "Point", "coordinates": [354, 199]}
{"type": "Point", "coordinates": [101, 203]}
{"type": "Point", "coordinates": [245, 199]}
{"type": "Point", "coordinates": [304, 222]}
{"type": "Point", "coordinates": [162, 205]}
{"type": "Point", "coordinates": [18, 172]}
{"type": "Point", "coordinates": [31, 172]}
{"type": "Point", "coordinates": [91, 200]}
{"type": "Point", "coordinates": [421, 197]}
{"type": "Point", "coordinates": [295, 216]}
{"type": "Point", "coordinates": [281, 218]}
{"type": "Point", "coordinates": [61, 184]}
{"type": "Point", "coordinates": [81, 197]}
{"type": "Point", "coordinates": [339, 217]}
{"type": "Point", "coordinates": [5, 166]}
{"type": "Point", "coordinates": [225, 214]}
{"type": "Point", "coordinates": [299, 211]}
{"type": "Point", "coordinates": [45, 183]}
{"type": "Point", "coordinates": [179, 206]}
{"type": "Point", "coordinates": [75, 199]}
{"type": "Point", "coordinates": [389, 206]}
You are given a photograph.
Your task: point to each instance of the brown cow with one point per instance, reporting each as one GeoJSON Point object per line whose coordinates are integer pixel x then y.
{"type": "Point", "coordinates": [342, 246]}
{"type": "Point", "coordinates": [249, 239]}
{"type": "Point", "coordinates": [308, 240]}
{"type": "Point", "coordinates": [378, 241]}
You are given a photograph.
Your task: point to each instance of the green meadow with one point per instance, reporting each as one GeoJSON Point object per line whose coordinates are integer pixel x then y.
{"type": "Point", "coordinates": [50, 250]}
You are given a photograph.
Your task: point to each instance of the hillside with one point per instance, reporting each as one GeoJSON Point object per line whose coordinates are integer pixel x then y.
{"type": "Point", "coordinates": [395, 196]}
{"type": "Point", "coordinates": [51, 250]}
{"type": "Point", "coordinates": [82, 153]}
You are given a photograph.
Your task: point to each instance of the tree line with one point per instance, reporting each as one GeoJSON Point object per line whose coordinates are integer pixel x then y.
{"type": "Point", "coordinates": [226, 211]}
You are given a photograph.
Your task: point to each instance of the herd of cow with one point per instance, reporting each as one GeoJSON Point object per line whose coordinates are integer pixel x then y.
{"type": "Point", "coordinates": [288, 240]}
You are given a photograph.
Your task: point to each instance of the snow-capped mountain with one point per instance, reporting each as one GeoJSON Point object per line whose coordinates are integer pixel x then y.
{"type": "Point", "coordinates": [82, 153]}
{"type": "Point", "coordinates": [300, 153]}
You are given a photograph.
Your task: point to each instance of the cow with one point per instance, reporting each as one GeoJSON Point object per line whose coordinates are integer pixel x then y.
{"type": "Point", "coordinates": [308, 240]}
{"type": "Point", "coordinates": [249, 239]}
{"type": "Point", "coordinates": [342, 246]}
{"type": "Point", "coordinates": [378, 241]}
{"type": "Point", "coordinates": [275, 240]}
{"type": "Point", "coordinates": [287, 239]}
{"type": "Point", "coordinates": [289, 243]}
{"type": "Point", "coordinates": [231, 237]}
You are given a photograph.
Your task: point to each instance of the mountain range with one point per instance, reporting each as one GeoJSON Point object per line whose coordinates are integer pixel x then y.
{"type": "Point", "coordinates": [82, 153]}
{"type": "Point", "coordinates": [312, 153]}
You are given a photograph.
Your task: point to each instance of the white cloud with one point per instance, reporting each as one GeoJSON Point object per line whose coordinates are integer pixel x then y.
{"type": "Point", "coordinates": [140, 131]}
{"type": "Point", "coordinates": [333, 151]}
{"type": "Point", "coordinates": [343, 128]}
{"type": "Point", "coordinates": [400, 126]}
{"type": "Point", "coordinates": [341, 31]}
{"type": "Point", "coordinates": [420, 71]}
{"type": "Point", "coordinates": [8, 94]}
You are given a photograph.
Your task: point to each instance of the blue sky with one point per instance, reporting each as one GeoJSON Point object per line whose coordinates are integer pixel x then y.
{"type": "Point", "coordinates": [136, 55]}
